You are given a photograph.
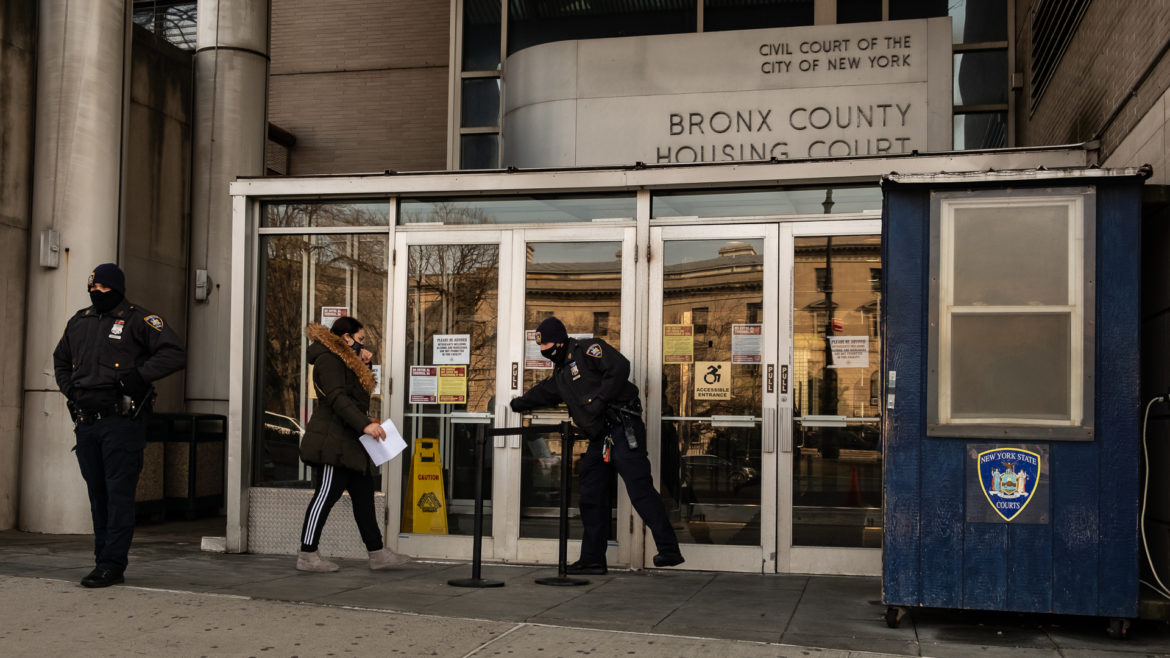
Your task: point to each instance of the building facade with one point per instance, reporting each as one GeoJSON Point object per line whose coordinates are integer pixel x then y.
{"type": "Point", "coordinates": [695, 182]}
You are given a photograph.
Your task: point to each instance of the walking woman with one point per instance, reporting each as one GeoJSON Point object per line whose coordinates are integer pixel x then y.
{"type": "Point", "coordinates": [343, 381]}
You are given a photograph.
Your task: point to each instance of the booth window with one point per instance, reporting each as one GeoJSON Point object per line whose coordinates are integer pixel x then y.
{"type": "Point", "coordinates": [1011, 341]}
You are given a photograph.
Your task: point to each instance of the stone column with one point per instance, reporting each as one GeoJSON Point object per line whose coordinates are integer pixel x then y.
{"type": "Point", "coordinates": [231, 78]}
{"type": "Point", "coordinates": [231, 82]}
{"type": "Point", "coordinates": [18, 39]}
{"type": "Point", "coordinates": [81, 69]}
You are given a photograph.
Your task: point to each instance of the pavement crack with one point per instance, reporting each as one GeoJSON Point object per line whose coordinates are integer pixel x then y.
{"type": "Point", "coordinates": [791, 615]}
{"type": "Point", "coordinates": [494, 640]}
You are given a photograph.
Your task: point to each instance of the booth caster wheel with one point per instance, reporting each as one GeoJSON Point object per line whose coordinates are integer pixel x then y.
{"type": "Point", "coordinates": [1118, 628]}
{"type": "Point", "coordinates": [894, 616]}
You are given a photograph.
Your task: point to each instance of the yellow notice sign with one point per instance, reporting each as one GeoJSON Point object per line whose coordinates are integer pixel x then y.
{"type": "Point", "coordinates": [713, 380]}
{"type": "Point", "coordinates": [678, 343]}
{"type": "Point", "coordinates": [452, 386]}
{"type": "Point", "coordinates": [424, 507]}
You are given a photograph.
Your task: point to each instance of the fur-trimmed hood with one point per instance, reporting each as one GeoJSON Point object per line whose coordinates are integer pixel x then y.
{"type": "Point", "coordinates": [334, 343]}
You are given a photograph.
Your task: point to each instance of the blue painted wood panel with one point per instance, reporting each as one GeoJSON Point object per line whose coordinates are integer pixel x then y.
{"type": "Point", "coordinates": [1029, 567]}
{"type": "Point", "coordinates": [1118, 408]}
{"type": "Point", "coordinates": [903, 280]}
{"type": "Point", "coordinates": [943, 509]}
{"type": "Point", "coordinates": [984, 568]}
{"type": "Point", "coordinates": [1084, 560]}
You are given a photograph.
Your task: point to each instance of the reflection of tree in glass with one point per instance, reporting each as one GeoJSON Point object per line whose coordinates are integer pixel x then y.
{"type": "Point", "coordinates": [282, 318]}
{"type": "Point", "coordinates": [345, 267]}
{"type": "Point", "coordinates": [288, 215]}
{"type": "Point", "coordinates": [447, 213]}
{"type": "Point", "coordinates": [453, 291]}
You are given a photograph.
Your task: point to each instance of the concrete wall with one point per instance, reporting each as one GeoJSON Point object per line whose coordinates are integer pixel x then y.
{"type": "Point", "coordinates": [157, 219]}
{"type": "Point", "coordinates": [361, 84]}
{"type": "Point", "coordinates": [18, 36]}
{"type": "Point", "coordinates": [1137, 137]}
{"type": "Point", "coordinates": [1114, 45]}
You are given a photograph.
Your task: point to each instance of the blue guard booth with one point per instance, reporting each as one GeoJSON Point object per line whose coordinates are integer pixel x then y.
{"type": "Point", "coordinates": [1010, 358]}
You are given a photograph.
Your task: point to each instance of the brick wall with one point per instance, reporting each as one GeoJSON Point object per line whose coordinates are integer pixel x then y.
{"type": "Point", "coordinates": [1113, 46]}
{"type": "Point", "coordinates": [362, 84]}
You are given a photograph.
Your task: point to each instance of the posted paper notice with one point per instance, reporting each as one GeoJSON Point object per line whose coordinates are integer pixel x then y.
{"type": "Point", "coordinates": [678, 343]}
{"type": "Point", "coordinates": [849, 351]}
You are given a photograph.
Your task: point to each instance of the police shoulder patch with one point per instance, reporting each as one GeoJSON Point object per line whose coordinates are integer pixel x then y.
{"type": "Point", "coordinates": [594, 350]}
{"type": "Point", "coordinates": [154, 321]}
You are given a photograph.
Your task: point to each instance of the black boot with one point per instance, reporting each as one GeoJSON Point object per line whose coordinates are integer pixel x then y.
{"type": "Point", "coordinates": [102, 578]}
{"type": "Point", "coordinates": [580, 568]}
{"type": "Point", "coordinates": [668, 559]}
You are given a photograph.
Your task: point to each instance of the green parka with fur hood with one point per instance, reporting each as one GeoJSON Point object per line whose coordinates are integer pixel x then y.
{"type": "Point", "coordinates": [343, 384]}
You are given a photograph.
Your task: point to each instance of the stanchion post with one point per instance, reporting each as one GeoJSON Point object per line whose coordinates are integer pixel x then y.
{"type": "Point", "coordinates": [562, 579]}
{"type": "Point", "coordinates": [477, 528]}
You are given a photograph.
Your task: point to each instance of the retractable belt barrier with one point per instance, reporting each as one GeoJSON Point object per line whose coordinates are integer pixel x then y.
{"type": "Point", "coordinates": [565, 430]}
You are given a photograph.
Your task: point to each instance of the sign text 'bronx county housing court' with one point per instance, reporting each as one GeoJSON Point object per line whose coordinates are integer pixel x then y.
{"type": "Point", "coordinates": [808, 92]}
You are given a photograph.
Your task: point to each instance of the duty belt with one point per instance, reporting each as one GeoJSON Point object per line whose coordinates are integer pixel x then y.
{"type": "Point", "coordinates": [91, 416]}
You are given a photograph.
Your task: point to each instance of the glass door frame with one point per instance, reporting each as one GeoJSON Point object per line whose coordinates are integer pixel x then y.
{"type": "Point", "coordinates": [642, 297]}
{"type": "Point", "coordinates": [809, 559]}
{"type": "Point", "coordinates": [449, 546]}
{"type": "Point", "coordinates": [509, 544]}
{"type": "Point", "coordinates": [722, 557]}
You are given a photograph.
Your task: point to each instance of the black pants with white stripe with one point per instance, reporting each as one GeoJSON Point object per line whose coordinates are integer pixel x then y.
{"type": "Point", "coordinates": [330, 481]}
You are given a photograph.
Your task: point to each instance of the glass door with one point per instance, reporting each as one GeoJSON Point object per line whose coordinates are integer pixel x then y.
{"type": "Point", "coordinates": [446, 324]}
{"type": "Point", "coordinates": [712, 357]}
{"type": "Point", "coordinates": [586, 279]}
{"type": "Point", "coordinates": [831, 459]}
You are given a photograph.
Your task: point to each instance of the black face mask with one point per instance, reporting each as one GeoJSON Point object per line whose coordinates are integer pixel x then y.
{"type": "Point", "coordinates": [104, 302]}
{"type": "Point", "coordinates": [556, 353]}
{"type": "Point", "coordinates": [358, 347]}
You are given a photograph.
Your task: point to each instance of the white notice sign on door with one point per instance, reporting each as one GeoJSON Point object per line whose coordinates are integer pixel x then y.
{"type": "Point", "coordinates": [849, 351]}
{"type": "Point", "coordinates": [452, 349]}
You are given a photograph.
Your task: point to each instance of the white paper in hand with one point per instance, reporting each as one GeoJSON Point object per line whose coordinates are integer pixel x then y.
{"type": "Point", "coordinates": [383, 451]}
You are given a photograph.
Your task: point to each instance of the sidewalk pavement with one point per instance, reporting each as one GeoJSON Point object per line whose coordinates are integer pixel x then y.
{"type": "Point", "coordinates": [178, 600]}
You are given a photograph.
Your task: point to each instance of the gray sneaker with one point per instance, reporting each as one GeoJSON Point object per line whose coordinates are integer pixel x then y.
{"type": "Point", "coordinates": [384, 558]}
{"type": "Point", "coordinates": [314, 562]}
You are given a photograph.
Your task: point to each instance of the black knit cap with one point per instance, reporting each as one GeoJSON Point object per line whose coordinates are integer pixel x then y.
{"type": "Point", "coordinates": [551, 330]}
{"type": "Point", "coordinates": [110, 276]}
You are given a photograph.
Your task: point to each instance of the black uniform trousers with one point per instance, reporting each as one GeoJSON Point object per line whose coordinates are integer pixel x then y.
{"type": "Point", "coordinates": [109, 452]}
{"type": "Point", "coordinates": [330, 481]}
{"type": "Point", "coordinates": [634, 468]}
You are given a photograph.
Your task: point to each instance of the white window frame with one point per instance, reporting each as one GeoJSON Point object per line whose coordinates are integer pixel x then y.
{"type": "Point", "coordinates": [1080, 204]}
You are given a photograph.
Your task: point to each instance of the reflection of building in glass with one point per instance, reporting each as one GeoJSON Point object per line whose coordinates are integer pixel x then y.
{"type": "Point", "coordinates": [842, 298]}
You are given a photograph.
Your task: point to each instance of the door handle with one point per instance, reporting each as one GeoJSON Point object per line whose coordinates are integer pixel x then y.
{"type": "Point", "coordinates": [732, 421]}
{"type": "Point", "coordinates": [785, 429]}
{"type": "Point", "coordinates": [769, 446]}
{"type": "Point", "coordinates": [474, 417]}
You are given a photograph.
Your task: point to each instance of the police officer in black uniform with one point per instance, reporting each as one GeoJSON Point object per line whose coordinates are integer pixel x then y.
{"type": "Point", "coordinates": [592, 379]}
{"type": "Point", "coordinates": [105, 363]}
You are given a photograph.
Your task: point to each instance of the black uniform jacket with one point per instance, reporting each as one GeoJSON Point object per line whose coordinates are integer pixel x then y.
{"type": "Point", "coordinates": [99, 349]}
{"type": "Point", "coordinates": [593, 376]}
{"type": "Point", "coordinates": [343, 384]}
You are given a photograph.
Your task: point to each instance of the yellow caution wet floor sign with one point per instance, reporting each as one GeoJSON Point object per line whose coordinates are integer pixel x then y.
{"type": "Point", "coordinates": [424, 508]}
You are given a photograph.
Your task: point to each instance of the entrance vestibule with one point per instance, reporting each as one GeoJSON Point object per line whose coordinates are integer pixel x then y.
{"type": "Point", "coordinates": [750, 314]}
